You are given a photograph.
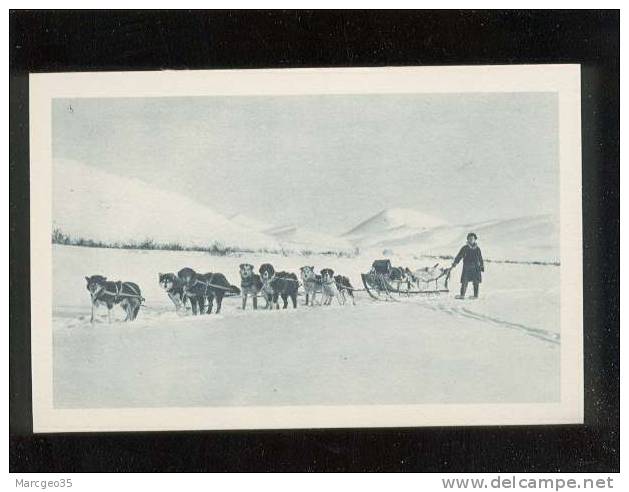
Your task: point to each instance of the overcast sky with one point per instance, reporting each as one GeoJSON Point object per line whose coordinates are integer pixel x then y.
{"type": "Point", "coordinates": [328, 162]}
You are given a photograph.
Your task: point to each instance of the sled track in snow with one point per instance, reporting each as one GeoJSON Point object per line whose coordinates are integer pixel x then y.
{"type": "Point", "coordinates": [163, 312]}
{"type": "Point", "coordinates": [539, 333]}
{"type": "Point", "coordinates": [545, 335]}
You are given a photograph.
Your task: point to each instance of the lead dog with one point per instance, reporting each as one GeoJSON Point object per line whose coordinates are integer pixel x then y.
{"type": "Point", "coordinates": [250, 284]}
{"type": "Point", "coordinates": [329, 288]}
{"type": "Point", "coordinates": [201, 286]}
{"type": "Point", "coordinates": [311, 282]}
{"type": "Point", "coordinates": [127, 294]}
{"type": "Point", "coordinates": [344, 287]}
{"type": "Point", "coordinates": [276, 284]}
{"type": "Point", "coordinates": [174, 288]}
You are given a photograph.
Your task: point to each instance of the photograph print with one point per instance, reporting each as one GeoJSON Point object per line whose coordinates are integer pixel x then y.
{"type": "Point", "coordinates": [294, 248]}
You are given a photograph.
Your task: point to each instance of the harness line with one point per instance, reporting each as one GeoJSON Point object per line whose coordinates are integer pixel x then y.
{"type": "Point", "coordinates": [118, 292]}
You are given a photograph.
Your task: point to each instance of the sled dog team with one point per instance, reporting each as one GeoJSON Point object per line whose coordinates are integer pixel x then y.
{"type": "Point", "coordinates": [267, 283]}
{"type": "Point", "coordinates": [202, 289]}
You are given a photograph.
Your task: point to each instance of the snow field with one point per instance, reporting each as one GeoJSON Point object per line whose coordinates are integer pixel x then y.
{"type": "Point", "coordinates": [502, 348]}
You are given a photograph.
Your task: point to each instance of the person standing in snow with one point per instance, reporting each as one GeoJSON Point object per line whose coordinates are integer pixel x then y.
{"type": "Point", "coordinates": [472, 265]}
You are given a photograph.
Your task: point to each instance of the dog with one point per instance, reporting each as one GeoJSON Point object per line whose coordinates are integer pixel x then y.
{"type": "Point", "coordinates": [127, 294]}
{"type": "Point", "coordinates": [201, 286]}
{"type": "Point", "coordinates": [344, 287]}
{"type": "Point", "coordinates": [267, 274]}
{"type": "Point", "coordinates": [399, 276]}
{"type": "Point", "coordinates": [250, 284]}
{"type": "Point", "coordinates": [311, 282]}
{"type": "Point", "coordinates": [328, 287]}
{"type": "Point", "coordinates": [410, 275]}
{"type": "Point", "coordinates": [276, 284]}
{"type": "Point", "coordinates": [173, 286]}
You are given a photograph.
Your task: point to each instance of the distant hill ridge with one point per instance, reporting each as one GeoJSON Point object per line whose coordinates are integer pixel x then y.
{"type": "Point", "coordinates": [395, 218]}
{"type": "Point", "coordinates": [531, 238]}
{"type": "Point", "coordinates": [109, 209]}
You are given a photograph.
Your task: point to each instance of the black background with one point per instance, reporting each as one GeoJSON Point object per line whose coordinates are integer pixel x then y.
{"type": "Point", "coordinates": [43, 41]}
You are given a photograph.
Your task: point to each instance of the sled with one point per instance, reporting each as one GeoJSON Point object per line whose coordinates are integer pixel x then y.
{"type": "Point", "coordinates": [380, 286]}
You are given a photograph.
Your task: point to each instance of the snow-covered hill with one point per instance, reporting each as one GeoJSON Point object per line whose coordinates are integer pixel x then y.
{"type": "Point", "coordinates": [393, 223]}
{"type": "Point", "coordinates": [293, 237]}
{"type": "Point", "coordinates": [92, 204]}
{"type": "Point", "coordinates": [533, 238]}
{"type": "Point", "coordinates": [310, 240]}
{"type": "Point", "coordinates": [250, 223]}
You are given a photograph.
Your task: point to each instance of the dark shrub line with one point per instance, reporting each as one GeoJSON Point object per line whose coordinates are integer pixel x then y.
{"type": "Point", "coordinates": [216, 249]}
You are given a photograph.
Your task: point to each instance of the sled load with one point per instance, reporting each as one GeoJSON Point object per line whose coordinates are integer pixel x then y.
{"type": "Point", "coordinates": [384, 280]}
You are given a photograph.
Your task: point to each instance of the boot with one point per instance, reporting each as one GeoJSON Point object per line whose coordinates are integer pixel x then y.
{"type": "Point", "coordinates": [463, 290]}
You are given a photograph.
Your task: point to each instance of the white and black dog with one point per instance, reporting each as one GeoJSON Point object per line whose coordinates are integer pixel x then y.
{"type": "Point", "coordinates": [173, 286]}
{"type": "Point", "coordinates": [311, 282]}
{"type": "Point", "coordinates": [345, 287]}
{"type": "Point", "coordinates": [199, 287]}
{"type": "Point", "coordinates": [329, 288]}
{"type": "Point", "coordinates": [104, 292]}
{"type": "Point", "coordinates": [276, 284]}
{"type": "Point", "coordinates": [400, 276]}
{"type": "Point", "coordinates": [250, 284]}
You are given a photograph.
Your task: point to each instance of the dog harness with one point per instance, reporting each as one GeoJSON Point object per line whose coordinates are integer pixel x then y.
{"type": "Point", "coordinates": [329, 282]}
{"type": "Point", "coordinates": [209, 284]}
{"type": "Point", "coordinates": [266, 284]}
{"type": "Point", "coordinates": [313, 279]}
{"type": "Point", "coordinates": [118, 292]}
{"type": "Point", "coordinates": [245, 284]}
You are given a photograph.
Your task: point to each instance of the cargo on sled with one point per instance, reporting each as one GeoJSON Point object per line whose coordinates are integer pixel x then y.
{"type": "Point", "coordinates": [384, 280]}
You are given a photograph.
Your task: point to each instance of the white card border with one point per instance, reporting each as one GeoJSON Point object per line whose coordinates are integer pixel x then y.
{"type": "Point", "coordinates": [562, 79]}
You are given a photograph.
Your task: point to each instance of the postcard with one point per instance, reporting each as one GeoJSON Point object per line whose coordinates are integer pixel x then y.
{"type": "Point", "coordinates": [306, 248]}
